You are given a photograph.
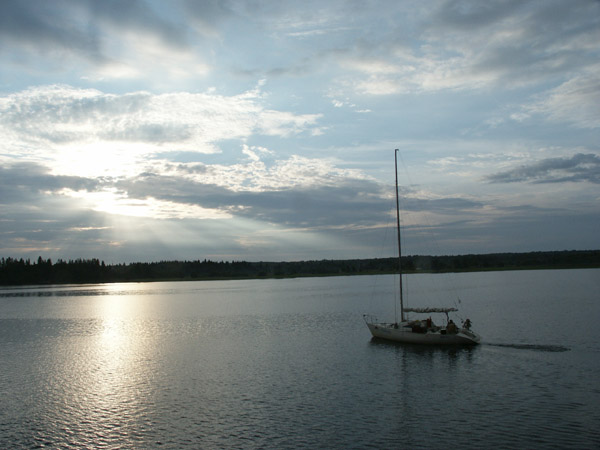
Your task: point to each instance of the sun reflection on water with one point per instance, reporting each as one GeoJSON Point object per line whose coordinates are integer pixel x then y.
{"type": "Point", "coordinates": [117, 391]}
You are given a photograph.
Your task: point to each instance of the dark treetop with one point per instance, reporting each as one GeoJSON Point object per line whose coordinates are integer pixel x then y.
{"type": "Point", "coordinates": [24, 272]}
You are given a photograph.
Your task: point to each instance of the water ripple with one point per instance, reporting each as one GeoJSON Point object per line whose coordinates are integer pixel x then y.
{"type": "Point", "coordinates": [537, 347]}
{"type": "Point", "coordinates": [288, 366]}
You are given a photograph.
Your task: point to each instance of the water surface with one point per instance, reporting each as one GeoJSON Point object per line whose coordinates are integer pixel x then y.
{"type": "Point", "coordinates": [290, 364]}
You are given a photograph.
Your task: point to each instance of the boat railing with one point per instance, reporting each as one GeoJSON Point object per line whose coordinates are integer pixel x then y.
{"type": "Point", "coordinates": [369, 318]}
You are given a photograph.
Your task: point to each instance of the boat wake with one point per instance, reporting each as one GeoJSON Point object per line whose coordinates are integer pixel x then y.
{"type": "Point", "coordinates": [539, 348]}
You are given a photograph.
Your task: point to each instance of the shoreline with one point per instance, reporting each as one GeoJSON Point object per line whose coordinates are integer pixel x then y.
{"type": "Point", "coordinates": [44, 272]}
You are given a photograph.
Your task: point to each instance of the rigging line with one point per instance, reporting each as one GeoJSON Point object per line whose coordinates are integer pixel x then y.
{"type": "Point", "coordinates": [384, 245]}
{"type": "Point", "coordinates": [405, 213]}
{"type": "Point", "coordinates": [399, 239]}
{"type": "Point", "coordinates": [432, 242]}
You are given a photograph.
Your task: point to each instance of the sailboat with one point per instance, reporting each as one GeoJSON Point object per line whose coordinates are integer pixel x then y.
{"type": "Point", "coordinates": [419, 331]}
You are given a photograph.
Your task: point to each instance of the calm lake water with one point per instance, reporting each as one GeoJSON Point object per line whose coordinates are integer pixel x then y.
{"type": "Point", "coordinates": [282, 364]}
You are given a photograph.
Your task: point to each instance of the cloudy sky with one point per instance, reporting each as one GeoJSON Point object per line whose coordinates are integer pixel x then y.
{"type": "Point", "coordinates": [143, 130]}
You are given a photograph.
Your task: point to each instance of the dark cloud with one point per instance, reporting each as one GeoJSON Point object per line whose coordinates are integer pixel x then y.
{"type": "Point", "coordinates": [470, 14]}
{"type": "Point", "coordinates": [353, 202]}
{"type": "Point", "coordinates": [40, 221]}
{"type": "Point", "coordinates": [175, 189]}
{"type": "Point", "coordinates": [448, 205]}
{"type": "Point", "coordinates": [578, 168]}
{"type": "Point", "coordinates": [46, 26]}
{"type": "Point", "coordinates": [22, 182]}
{"type": "Point", "coordinates": [76, 27]}
{"type": "Point", "coordinates": [37, 219]}
{"type": "Point", "coordinates": [138, 15]}
{"type": "Point", "coordinates": [532, 229]}
{"type": "Point", "coordinates": [209, 12]}
{"type": "Point", "coordinates": [528, 40]}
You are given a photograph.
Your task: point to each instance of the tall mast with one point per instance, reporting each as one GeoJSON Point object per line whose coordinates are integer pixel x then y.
{"type": "Point", "coordinates": [399, 241]}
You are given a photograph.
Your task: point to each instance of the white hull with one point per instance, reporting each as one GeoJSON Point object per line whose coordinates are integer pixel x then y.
{"type": "Point", "coordinates": [403, 332]}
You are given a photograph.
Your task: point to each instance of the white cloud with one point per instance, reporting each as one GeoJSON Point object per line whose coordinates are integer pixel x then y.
{"type": "Point", "coordinates": [284, 124]}
{"type": "Point", "coordinates": [253, 152]}
{"type": "Point", "coordinates": [147, 57]}
{"type": "Point", "coordinates": [90, 132]}
{"type": "Point", "coordinates": [577, 101]}
{"type": "Point", "coordinates": [473, 45]}
{"type": "Point", "coordinates": [255, 175]}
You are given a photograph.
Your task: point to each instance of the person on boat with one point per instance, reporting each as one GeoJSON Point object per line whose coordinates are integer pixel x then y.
{"type": "Point", "coordinates": [467, 324]}
{"type": "Point", "coordinates": [451, 327]}
{"type": "Point", "coordinates": [418, 326]}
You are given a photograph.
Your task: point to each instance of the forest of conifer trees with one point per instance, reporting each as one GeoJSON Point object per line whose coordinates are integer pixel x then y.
{"type": "Point", "coordinates": [16, 272]}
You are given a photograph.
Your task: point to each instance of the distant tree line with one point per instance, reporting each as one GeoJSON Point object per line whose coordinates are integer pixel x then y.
{"type": "Point", "coordinates": [25, 272]}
